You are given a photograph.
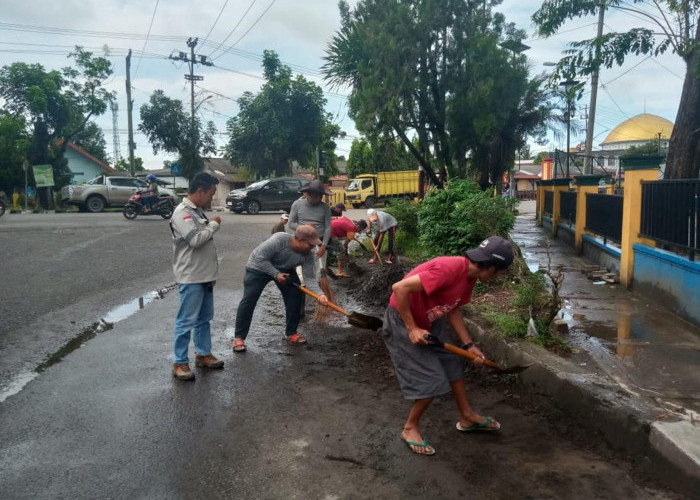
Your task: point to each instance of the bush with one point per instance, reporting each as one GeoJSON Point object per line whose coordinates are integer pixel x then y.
{"type": "Point", "coordinates": [460, 217]}
{"type": "Point", "coordinates": [406, 214]}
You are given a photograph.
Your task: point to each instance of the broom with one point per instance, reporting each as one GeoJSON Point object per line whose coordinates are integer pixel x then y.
{"type": "Point", "coordinates": [323, 313]}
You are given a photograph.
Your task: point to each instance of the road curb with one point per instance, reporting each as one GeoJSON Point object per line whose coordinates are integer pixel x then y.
{"type": "Point", "coordinates": [628, 424]}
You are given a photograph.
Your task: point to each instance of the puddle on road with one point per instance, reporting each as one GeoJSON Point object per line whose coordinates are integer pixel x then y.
{"type": "Point", "coordinates": [112, 317]}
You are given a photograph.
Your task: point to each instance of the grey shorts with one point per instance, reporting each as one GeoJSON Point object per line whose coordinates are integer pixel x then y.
{"type": "Point", "coordinates": [422, 371]}
{"type": "Point", "coordinates": [338, 246]}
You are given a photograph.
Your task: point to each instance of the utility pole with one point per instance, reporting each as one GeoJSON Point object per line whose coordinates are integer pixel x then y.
{"type": "Point", "coordinates": [129, 109]}
{"type": "Point", "coordinates": [587, 163]}
{"type": "Point", "coordinates": [191, 61]}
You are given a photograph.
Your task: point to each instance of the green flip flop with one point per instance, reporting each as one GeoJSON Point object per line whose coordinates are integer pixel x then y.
{"type": "Point", "coordinates": [424, 444]}
{"type": "Point", "coordinates": [482, 427]}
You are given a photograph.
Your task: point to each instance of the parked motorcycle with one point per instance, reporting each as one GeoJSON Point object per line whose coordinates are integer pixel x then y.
{"type": "Point", "coordinates": [2, 207]}
{"type": "Point", "coordinates": [164, 206]}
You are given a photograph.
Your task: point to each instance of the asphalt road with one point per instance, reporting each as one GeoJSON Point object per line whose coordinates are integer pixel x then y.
{"type": "Point", "coordinates": [280, 421]}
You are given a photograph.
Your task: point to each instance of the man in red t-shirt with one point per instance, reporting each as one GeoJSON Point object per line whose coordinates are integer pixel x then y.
{"type": "Point", "coordinates": [428, 298]}
{"type": "Point", "coordinates": [342, 233]}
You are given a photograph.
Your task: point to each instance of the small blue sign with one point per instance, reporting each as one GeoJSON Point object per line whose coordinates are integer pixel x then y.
{"type": "Point", "coordinates": [175, 169]}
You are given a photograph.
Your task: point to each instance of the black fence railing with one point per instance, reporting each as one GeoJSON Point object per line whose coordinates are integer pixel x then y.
{"type": "Point", "coordinates": [549, 202]}
{"type": "Point", "coordinates": [526, 195]}
{"type": "Point", "coordinates": [604, 215]}
{"type": "Point", "coordinates": [567, 206]}
{"type": "Point", "coordinates": [670, 213]}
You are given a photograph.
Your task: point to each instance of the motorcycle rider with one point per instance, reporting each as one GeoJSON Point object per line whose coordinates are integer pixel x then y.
{"type": "Point", "coordinates": [150, 200]}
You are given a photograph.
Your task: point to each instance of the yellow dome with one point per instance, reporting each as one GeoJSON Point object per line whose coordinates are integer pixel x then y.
{"type": "Point", "coordinates": [644, 127]}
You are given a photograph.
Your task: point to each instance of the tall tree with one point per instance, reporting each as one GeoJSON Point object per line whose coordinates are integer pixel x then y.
{"type": "Point", "coordinates": [168, 127]}
{"type": "Point", "coordinates": [369, 156]}
{"type": "Point", "coordinates": [284, 122]}
{"type": "Point", "coordinates": [677, 28]}
{"type": "Point", "coordinates": [57, 105]}
{"type": "Point", "coordinates": [419, 67]}
{"type": "Point", "coordinates": [15, 141]}
{"type": "Point", "coordinates": [122, 165]}
{"type": "Point", "coordinates": [92, 140]}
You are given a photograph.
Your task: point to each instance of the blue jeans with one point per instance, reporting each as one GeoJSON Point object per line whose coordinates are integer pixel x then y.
{"type": "Point", "coordinates": [196, 311]}
{"type": "Point", "coordinates": [253, 284]}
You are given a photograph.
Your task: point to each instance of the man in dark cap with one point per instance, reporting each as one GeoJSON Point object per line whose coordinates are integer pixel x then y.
{"type": "Point", "coordinates": [429, 297]}
{"type": "Point", "coordinates": [337, 210]}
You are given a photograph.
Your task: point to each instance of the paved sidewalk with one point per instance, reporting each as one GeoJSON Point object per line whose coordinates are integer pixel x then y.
{"type": "Point", "coordinates": [636, 374]}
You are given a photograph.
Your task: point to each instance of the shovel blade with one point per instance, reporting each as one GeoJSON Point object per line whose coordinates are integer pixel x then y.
{"type": "Point", "coordinates": [363, 321]}
{"type": "Point", "coordinates": [513, 369]}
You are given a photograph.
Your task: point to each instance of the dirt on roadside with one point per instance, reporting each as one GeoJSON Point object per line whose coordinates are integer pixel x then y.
{"type": "Point", "coordinates": [539, 453]}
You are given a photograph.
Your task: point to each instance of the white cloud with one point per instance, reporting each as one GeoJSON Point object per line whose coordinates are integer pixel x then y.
{"type": "Point", "coordinates": [299, 31]}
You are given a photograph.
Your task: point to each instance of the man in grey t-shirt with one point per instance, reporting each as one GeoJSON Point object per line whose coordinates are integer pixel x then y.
{"type": "Point", "coordinates": [276, 259]}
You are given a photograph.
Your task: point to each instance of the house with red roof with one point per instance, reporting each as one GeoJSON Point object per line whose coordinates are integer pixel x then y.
{"type": "Point", "coordinates": [83, 165]}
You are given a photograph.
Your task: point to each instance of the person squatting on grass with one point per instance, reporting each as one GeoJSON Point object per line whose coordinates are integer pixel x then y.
{"type": "Point", "coordinates": [195, 265]}
{"type": "Point", "coordinates": [423, 302]}
{"type": "Point", "coordinates": [276, 259]}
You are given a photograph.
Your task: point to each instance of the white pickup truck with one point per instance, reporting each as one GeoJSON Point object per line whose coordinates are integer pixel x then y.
{"type": "Point", "coordinates": [103, 191]}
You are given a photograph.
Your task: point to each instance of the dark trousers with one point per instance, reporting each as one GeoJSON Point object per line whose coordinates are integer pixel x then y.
{"type": "Point", "coordinates": [253, 284]}
{"type": "Point", "coordinates": [391, 232]}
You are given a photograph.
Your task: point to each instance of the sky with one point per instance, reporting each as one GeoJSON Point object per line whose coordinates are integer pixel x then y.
{"type": "Point", "coordinates": [234, 33]}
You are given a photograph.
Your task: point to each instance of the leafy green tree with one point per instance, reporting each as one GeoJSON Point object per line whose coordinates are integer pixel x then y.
{"type": "Point", "coordinates": [417, 66]}
{"type": "Point", "coordinates": [379, 155]}
{"type": "Point", "coordinates": [677, 27]}
{"type": "Point", "coordinates": [92, 140]}
{"type": "Point", "coordinates": [540, 156]}
{"type": "Point", "coordinates": [170, 128]}
{"type": "Point", "coordinates": [284, 122]}
{"type": "Point", "coordinates": [651, 147]}
{"type": "Point", "coordinates": [122, 165]}
{"type": "Point", "coordinates": [57, 105]}
{"type": "Point", "coordinates": [14, 147]}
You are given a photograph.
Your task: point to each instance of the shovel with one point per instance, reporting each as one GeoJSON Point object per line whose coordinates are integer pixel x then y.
{"type": "Point", "coordinates": [436, 342]}
{"type": "Point", "coordinates": [354, 318]}
{"type": "Point", "coordinates": [376, 251]}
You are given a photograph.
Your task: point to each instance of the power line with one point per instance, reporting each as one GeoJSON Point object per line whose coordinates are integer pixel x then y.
{"type": "Point", "coordinates": [234, 28]}
{"type": "Point", "coordinates": [138, 64]}
{"type": "Point", "coordinates": [214, 25]}
{"type": "Point", "coordinates": [251, 27]}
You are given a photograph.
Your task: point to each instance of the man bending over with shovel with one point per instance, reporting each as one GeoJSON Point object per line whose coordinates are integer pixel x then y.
{"type": "Point", "coordinates": [423, 303]}
{"type": "Point", "coordinates": [276, 259]}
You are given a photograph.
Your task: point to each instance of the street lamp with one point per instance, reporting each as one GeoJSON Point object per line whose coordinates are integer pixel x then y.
{"type": "Point", "coordinates": [568, 85]}
{"type": "Point", "coordinates": [202, 102]}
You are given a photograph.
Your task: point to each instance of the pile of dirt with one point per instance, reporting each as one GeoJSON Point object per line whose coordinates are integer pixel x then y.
{"type": "Point", "coordinates": [373, 286]}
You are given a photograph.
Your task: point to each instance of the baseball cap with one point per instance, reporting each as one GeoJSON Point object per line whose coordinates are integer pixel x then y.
{"type": "Point", "coordinates": [284, 216]}
{"type": "Point", "coordinates": [307, 233]}
{"type": "Point", "coordinates": [494, 248]}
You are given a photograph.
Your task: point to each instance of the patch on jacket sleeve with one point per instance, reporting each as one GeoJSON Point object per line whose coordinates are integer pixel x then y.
{"type": "Point", "coordinates": [186, 217]}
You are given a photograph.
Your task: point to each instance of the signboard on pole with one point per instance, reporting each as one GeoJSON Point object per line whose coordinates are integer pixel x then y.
{"type": "Point", "coordinates": [175, 169]}
{"type": "Point", "coordinates": [43, 175]}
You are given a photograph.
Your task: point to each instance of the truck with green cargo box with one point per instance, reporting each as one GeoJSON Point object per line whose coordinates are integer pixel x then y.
{"type": "Point", "coordinates": [371, 189]}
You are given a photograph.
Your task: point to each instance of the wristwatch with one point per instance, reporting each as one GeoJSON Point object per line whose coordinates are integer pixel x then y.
{"type": "Point", "coordinates": [468, 345]}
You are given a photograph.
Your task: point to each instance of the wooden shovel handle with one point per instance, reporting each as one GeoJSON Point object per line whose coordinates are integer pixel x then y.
{"type": "Point", "coordinates": [432, 340]}
{"type": "Point", "coordinates": [376, 251]}
{"type": "Point", "coordinates": [318, 297]}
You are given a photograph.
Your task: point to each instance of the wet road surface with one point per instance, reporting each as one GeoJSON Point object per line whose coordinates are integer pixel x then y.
{"type": "Point", "coordinates": [280, 421]}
